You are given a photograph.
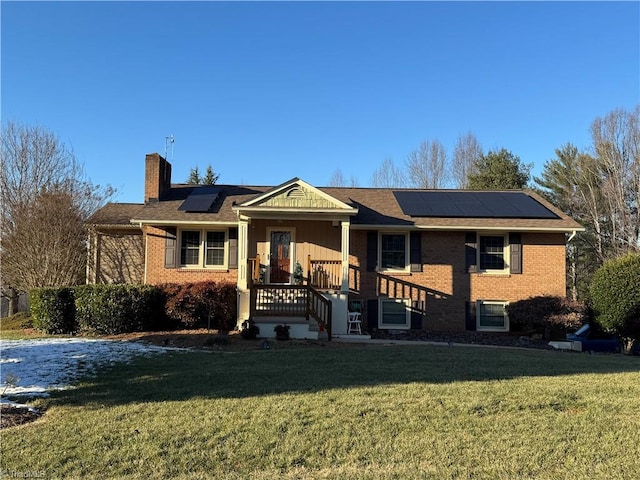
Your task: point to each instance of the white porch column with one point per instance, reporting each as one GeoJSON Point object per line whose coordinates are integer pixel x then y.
{"type": "Point", "coordinates": [243, 252]}
{"type": "Point", "coordinates": [345, 255]}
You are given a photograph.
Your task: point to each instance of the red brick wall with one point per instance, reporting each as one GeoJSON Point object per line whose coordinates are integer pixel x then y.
{"type": "Point", "coordinates": [157, 273]}
{"type": "Point", "coordinates": [447, 285]}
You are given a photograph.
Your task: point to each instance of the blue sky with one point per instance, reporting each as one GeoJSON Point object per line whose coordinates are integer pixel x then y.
{"type": "Point", "coordinates": [267, 91]}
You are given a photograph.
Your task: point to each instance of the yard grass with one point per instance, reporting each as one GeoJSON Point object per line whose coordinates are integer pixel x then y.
{"type": "Point", "coordinates": [354, 412]}
{"type": "Point", "coordinates": [18, 327]}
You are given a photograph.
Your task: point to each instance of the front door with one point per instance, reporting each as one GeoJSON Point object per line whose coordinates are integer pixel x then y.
{"type": "Point", "coordinates": [280, 256]}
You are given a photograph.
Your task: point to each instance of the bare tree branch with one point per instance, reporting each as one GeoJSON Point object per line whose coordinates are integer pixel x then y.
{"type": "Point", "coordinates": [45, 199]}
{"type": "Point", "coordinates": [427, 166]}
{"type": "Point", "coordinates": [465, 155]}
{"type": "Point", "coordinates": [387, 176]}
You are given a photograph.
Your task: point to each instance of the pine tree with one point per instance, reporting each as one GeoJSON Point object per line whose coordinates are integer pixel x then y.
{"type": "Point", "coordinates": [194, 177]}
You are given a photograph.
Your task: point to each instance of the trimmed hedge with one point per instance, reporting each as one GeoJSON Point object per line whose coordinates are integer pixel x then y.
{"type": "Point", "coordinates": [190, 305]}
{"type": "Point", "coordinates": [615, 296]}
{"type": "Point", "coordinates": [112, 309]}
{"type": "Point", "coordinates": [53, 310]}
{"type": "Point", "coordinates": [546, 314]}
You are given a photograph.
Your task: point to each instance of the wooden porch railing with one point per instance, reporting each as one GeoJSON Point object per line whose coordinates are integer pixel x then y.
{"type": "Point", "coordinates": [279, 301]}
{"type": "Point", "coordinates": [253, 270]}
{"type": "Point", "coordinates": [324, 274]}
{"type": "Point", "coordinates": [291, 301]}
{"type": "Point", "coordinates": [321, 274]}
{"type": "Point", "coordinates": [320, 309]}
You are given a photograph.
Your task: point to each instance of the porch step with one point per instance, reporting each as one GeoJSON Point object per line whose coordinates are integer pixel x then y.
{"type": "Point", "coordinates": [299, 327]}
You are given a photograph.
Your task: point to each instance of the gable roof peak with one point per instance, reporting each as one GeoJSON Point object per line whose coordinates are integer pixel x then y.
{"type": "Point", "coordinates": [296, 194]}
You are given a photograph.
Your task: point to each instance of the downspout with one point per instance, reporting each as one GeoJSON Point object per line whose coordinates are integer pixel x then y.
{"type": "Point", "coordinates": [90, 253]}
{"type": "Point", "coordinates": [573, 273]}
{"type": "Point", "coordinates": [146, 248]}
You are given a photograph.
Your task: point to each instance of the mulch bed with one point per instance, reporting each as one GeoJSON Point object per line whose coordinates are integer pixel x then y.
{"type": "Point", "coordinates": [473, 338]}
{"type": "Point", "coordinates": [12, 416]}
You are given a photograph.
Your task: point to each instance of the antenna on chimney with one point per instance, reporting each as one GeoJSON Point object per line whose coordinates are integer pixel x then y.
{"type": "Point", "coordinates": [168, 140]}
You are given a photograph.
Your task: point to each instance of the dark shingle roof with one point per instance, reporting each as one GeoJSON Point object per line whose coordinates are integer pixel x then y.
{"type": "Point", "coordinates": [376, 207]}
{"type": "Point", "coordinates": [113, 214]}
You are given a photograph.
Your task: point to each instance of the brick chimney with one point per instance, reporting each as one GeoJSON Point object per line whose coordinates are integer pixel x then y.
{"type": "Point", "coordinates": [157, 177]}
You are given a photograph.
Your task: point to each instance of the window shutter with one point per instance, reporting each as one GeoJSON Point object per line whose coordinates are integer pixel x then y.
{"type": "Point", "coordinates": [515, 247]}
{"type": "Point", "coordinates": [170, 248]}
{"type": "Point", "coordinates": [233, 248]}
{"type": "Point", "coordinates": [372, 315]}
{"type": "Point", "coordinates": [415, 256]}
{"type": "Point", "coordinates": [470, 310]}
{"type": "Point", "coordinates": [471, 252]}
{"type": "Point", "coordinates": [372, 251]}
{"type": "Point", "coordinates": [417, 312]}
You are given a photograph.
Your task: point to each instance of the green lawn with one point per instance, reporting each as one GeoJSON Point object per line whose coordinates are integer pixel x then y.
{"type": "Point", "coordinates": [352, 412]}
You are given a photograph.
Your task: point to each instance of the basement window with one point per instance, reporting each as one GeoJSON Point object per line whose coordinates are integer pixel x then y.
{"type": "Point", "coordinates": [492, 316]}
{"type": "Point", "coordinates": [394, 313]}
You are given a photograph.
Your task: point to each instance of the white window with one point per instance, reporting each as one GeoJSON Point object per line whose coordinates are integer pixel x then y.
{"type": "Point", "coordinates": [190, 248]}
{"type": "Point", "coordinates": [493, 253]}
{"type": "Point", "coordinates": [394, 313]}
{"type": "Point", "coordinates": [492, 316]}
{"type": "Point", "coordinates": [214, 249]}
{"type": "Point", "coordinates": [393, 253]}
{"type": "Point", "coordinates": [203, 248]}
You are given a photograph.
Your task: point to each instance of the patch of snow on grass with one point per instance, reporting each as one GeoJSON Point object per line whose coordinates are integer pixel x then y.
{"type": "Point", "coordinates": [47, 364]}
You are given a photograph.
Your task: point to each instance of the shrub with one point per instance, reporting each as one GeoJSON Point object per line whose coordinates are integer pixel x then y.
{"type": "Point", "coordinates": [191, 305]}
{"type": "Point", "coordinates": [113, 309]}
{"type": "Point", "coordinates": [282, 332]}
{"type": "Point", "coordinates": [53, 310]}
{"type": "Point", "coordinates": [546, 314]}
{"type": "Point", "coordinates": [615, 297]}
{"type": "Point", "coordinates": [250, 330]}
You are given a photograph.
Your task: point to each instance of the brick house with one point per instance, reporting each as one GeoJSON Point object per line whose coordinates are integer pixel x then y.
{"type": "Point", "coordinates": [442, 260]}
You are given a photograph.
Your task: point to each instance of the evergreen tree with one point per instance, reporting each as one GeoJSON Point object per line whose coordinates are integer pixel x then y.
{"type": "Point", "coordinates": [501, 170]}
{"type": "Point", "coordinates": [209, 178]}
{"type": "Point", "coordinates": [194, 177]}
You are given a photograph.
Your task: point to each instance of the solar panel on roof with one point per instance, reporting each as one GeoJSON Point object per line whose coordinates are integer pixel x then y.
{"type": "Point", "coordinates": [200, 200]}
{"type": "Point", "coordinates": [471, 205]}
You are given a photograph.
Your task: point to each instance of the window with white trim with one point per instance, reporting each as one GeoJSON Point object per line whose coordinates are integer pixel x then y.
{"type": "Point", "coordinates": [190, 247]}
{"type": "Point", "coordinates": [214, 249]}
{"type": "Point", "coordinates": [394, 313]}
{"type": "Point", "coordinates": [394, 252]}
{"type": "Point", "coordinates": [203, 248]}
{"type": "Point", "coordinates": [493, 253]}
{"type": "Point", "coordinates": [491, 316]}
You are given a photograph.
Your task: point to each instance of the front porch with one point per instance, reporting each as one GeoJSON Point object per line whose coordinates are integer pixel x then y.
{"type": "Point", "coordinates": [293, 261]}
{"type": "Point", "coordinates": [304, 309]}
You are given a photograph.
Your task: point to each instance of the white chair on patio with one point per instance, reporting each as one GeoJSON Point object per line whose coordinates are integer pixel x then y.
{"type": "Point", "coordinates": [355, 323]}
